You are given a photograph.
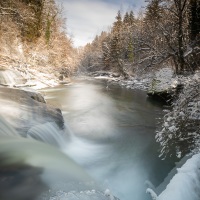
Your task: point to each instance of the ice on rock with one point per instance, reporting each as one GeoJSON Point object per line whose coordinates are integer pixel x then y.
{"type": "Point", "coordinates": [149, 184]}
{"type": "Point", "coordinates": [185, 185]}
{"type": "Point", "coordinates": [84, 195]}
{"type": "Point", "coordinates": [152, 193]}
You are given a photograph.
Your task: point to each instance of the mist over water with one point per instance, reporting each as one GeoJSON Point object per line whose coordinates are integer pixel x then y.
{"type": "Point", "coordinates": [34, 170]}
{"type": "Point", "coordinates": [112, 136]}
{"type": "Point", "coordinates": [30, 168]}
{"type": "Point", "coordinates": [105, 141]}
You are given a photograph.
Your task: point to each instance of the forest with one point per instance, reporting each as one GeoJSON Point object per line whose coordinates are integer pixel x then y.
{"type": "Point", "coordinates": [33, 33]}
{"type": "Point", "coordinates": [165, 35]}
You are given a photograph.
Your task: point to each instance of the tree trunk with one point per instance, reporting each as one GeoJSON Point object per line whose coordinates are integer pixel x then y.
{"type": "Point", "coordinates": [180, 5]}
{"type": "Point", "coordinates": [180, 43]}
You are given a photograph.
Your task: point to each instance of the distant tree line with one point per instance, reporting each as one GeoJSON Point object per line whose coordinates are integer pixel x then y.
{"type": "Point", "coordinates": [166, 33]}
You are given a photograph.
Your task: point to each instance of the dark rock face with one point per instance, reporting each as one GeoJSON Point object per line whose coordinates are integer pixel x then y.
{"type": "Point", "coordinates": [25, 109]}
{"type": "Point", "coordinates": [163, 96]}
{"type": "Point", "coordinates": [20, 181]}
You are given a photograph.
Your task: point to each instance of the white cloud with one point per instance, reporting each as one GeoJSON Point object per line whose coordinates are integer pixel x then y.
{"type": "Point", "coordinates": [86, 18]}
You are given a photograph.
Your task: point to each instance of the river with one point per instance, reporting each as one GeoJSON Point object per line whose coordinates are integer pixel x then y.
{"type": "Point", "coordinates": [112, 135]}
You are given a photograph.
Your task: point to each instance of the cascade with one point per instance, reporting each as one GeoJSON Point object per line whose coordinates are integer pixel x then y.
{"type": "Point", "coordinates": [10, 77]}
{"type": "Point", "coordinates": [48, 133]}
{"type": "Point", "coordinates": [27, 164]}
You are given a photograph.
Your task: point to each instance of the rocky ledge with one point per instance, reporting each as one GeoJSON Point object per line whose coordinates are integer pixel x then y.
{"type": "Point", "coordinates": [24, 109]}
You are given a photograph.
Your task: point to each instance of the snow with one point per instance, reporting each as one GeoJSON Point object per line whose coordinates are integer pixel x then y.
{"type": "Point", "coordinates": [23, 76]}
{"type": "Point", "coordinates": [181, 124]}
{"type": "Point", "coordinates": [172, 128]}
{"type": "Point", "coordinates": [36, 79]}
{"type": "Point", "coordinates": [164, 80]}
{"type": "Point", "coordinates": [152, 193]}
{"type": "Point", "coordinates": [108, 194]}
{"type": "Point", "coordinates": [185, 185]}
{"type": "Point", "coordinates": [82, 195]}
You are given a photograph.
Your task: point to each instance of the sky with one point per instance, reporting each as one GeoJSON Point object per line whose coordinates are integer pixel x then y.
{"type": "Point", "coordinates": [87, 18]}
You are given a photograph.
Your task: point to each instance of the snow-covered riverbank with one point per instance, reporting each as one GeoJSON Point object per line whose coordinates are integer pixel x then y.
{"type": "Point", "coordinates": [157, 81]}
{"type": "Point", "coordinates": [23, 76]}
{"type": "Point", "coordinates": [185, 185]}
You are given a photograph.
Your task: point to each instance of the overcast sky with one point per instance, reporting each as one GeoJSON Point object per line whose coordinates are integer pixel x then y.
{"type": "Point", "coordinates": [87, 18]}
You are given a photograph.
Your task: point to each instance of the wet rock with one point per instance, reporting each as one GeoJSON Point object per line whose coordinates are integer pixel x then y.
{"type": "Point", "coordinates": [18, 180]}
{"type": "Point", "coordinates": [105, 73]}
{"type": "Point", "coordinates": [24, 109]}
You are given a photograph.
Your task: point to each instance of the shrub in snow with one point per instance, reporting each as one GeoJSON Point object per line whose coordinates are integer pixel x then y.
{"type": "Point", "coordinates": [179, 133]}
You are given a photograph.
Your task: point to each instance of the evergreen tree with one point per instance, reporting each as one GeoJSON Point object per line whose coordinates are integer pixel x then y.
{"type": "Point", "coordinates": [116, 40]}
{"type": "Point", "coordinates": [130, 52]}
{"type": "Point", "coordinates": [117, 25]}
{"type": "Point", "coordinates": [115, 49]}
{"type": "Point", "coordinates": [153, 10]}
{"type": "Point", "coordinates": [106, 54]}
{"type": "Point", "coordinates": [131, 19]}
{"type": "Point", "coordinates": [126, 19]}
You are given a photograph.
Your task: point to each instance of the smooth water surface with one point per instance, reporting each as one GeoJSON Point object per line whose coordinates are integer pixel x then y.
{"type": "Point", "coordinates": [112, 135]}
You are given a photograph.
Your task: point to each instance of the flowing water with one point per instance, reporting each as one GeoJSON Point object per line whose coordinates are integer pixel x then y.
{"type": "Point", "coordinates": [107, 143]}
{"type": "Point", "coordinates": [112, 135]}
{"type": "Point", "coordinates": [10, 77]}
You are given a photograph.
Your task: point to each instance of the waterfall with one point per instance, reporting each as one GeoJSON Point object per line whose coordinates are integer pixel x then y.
{"type": "Point", "coordinates": [34, 170]}
{"type": "Point", "coordinates": [5, 129]}
{"type": "Point", "coordinates": [48, 133]}
{"type": "Point", "coordinates": [10, 77]}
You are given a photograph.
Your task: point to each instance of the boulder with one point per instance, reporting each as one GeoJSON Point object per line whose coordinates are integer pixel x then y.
{"type": "Point", "coordinates": [164, 85]}
{"type": "Point", "coordinates": [24, 109]}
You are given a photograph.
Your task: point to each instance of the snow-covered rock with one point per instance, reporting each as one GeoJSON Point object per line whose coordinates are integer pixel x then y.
{"type": "Point", "coordinates": [164, 84]}
{"type": "Point", "coordinates": [82, 195]}
{"type": "Point", "coordinates": [185, 185]}
{"type": "Point", "coordinates": [27, 109]}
